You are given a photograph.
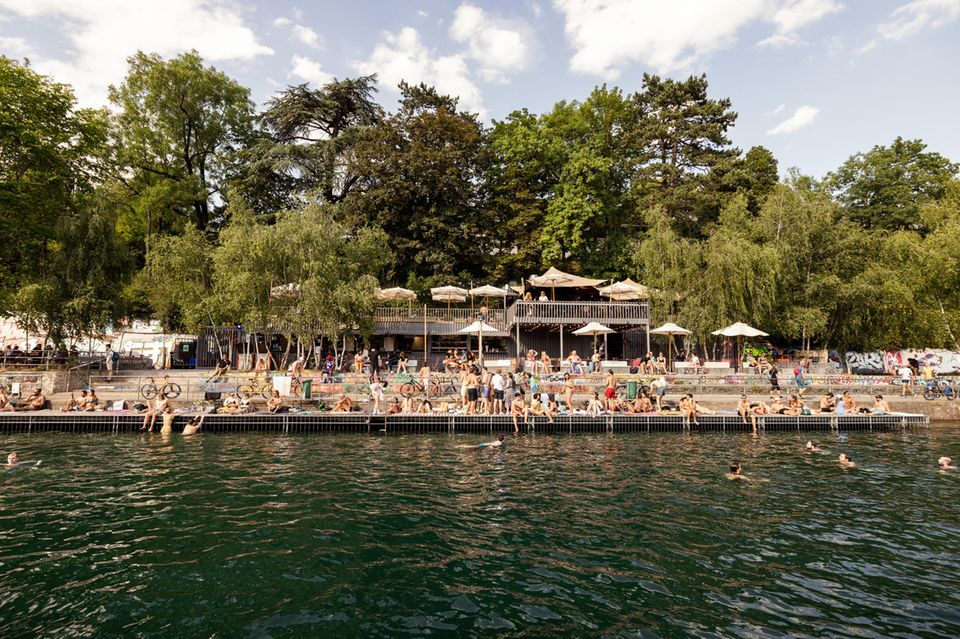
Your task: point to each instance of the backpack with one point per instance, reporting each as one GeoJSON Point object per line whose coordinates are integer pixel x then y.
{"type": "Point", "coordinates": [796, 371]}
{"type": "Point", "coordinates": [115, 357]}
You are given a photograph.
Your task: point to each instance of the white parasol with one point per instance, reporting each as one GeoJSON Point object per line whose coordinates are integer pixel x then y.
{"type": "Point", "coordinates": [739, 330]}
{"type": "Point", "coordinates": [670, 329]}
{"type": "Point", "coordinates": [478, 328]}
{"type": "Point", "coordinates": [594, 328]}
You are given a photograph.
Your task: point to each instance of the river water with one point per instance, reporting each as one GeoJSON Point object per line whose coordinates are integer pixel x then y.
{"type": "Point", "coordinates": [580, 536]}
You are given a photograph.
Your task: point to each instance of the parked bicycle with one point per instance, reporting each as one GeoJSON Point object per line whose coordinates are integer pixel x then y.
{"type": "Point", "coordinates": [151, 389]}
{"type": "Point", "coordinates": [263, 387]}
{"type": "Point", "coordinates": [438, 388]}
{"type": "Point", "coordinates": [939, 388]}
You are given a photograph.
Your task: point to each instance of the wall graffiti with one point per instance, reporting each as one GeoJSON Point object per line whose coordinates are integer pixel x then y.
{"type": "Point", "coordinates": [880, 362]}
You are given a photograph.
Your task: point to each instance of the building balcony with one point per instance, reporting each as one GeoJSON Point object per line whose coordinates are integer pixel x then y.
{"type": "Point", "coordinates": [612, 314]}
{"type": "Point", "coordinates": [411, 320]}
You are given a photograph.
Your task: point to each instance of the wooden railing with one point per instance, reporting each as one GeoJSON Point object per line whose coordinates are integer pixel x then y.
{"type": "Point", "coordinates": [609, 313]}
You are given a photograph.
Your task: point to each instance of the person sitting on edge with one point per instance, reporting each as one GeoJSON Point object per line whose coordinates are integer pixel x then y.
{"type": "Point", "coordinates": [275, 403]}
{"type": "Point", "coordinates": [343, 405]}
{"type": "Point", "coordinates": [92, 402]}
{"type": "Point", "coordinates": [827, 403]}
{"type": "Point", "coordinates": [222, 368]}
{"type": "Point", "coordinates": [945, 463]}
{"type": "Point", "coordinates": [159, 406]}
{"type": "Point", "coordinates": [849, 402]}
{"type": "Point", "coordinates": [393, 408]}
{"type": "Point", "coordinates": [538, 409]}
{"type": "Point", "coordinates": [406, 406]}
{"type": "Point", "coordinates": [73, 404]}
{"type": "Point", "coordinates": [688, 408]}
{"type": "Point", "coordinates": [736, 472]}
{"type": "Point", "coordinates": [743, 408]}
{"type": "Point", "coordinates": [880, 406]}
{"type": "Point", "coordinates": [846, 461]}
{"type": "Point", "coordinates": [777, 407]}
{"type": "Point", "coordinates": [194, 425]}
{"type": "Point", "coordinates": [595, 407]}
{"type": "Point", "coordinates": [231, 404]}
{"type": "Point", "coordinates": [518, 408]}
{"type": "Point", "coordinates": [642, 404]}
{"type": "Point", "coordinates": [425, 407]}
{"type": "Point", "coordinates": [794, 407]}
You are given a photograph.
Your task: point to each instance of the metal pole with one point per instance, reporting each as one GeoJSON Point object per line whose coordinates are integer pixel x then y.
{"type": "Point", "coordinates": [561, 342]}
{"type": "Point", "coordinates": [518, 340]}
{"type": "Point", "coordinates": [424, 336]}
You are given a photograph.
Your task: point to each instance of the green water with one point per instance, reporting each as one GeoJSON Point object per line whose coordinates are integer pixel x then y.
{"type": "Point", "coordinates": [578, 536]}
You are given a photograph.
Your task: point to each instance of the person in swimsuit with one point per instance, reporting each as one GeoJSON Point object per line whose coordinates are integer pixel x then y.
{"type": "Point", "coordinates": [473, 393]}
{"type": "Point", "coordinates": [518, 408]}
{"type": "Point", "coordinates": [568, 391]}
{"type": "Point", "coordinates": [945, 463]}
{"type": "Point", "coordinates": [194, 425]}
{"type": "Point", "coordinates": [846, 461]}
{"type": "Point", "coordinates": [159, 407]}
{"type": "Point", "coordinates": [736, 472]}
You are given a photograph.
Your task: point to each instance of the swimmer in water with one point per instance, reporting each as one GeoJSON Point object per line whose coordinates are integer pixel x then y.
{"type": "Point", "coordinates": [13, 462]}
{"type": "Point", "coordinates": [846, 461]}
{"type": "Point", "coordinates": [736, 472]}
{"type": "Point", "coordinates": [194, 425]}
{"type": "Point", "coordinates": [945, 463]}
{"type": "Point", "coordinates": [13, 459]}
{"type": "Point", "coordinates": [497, 442]}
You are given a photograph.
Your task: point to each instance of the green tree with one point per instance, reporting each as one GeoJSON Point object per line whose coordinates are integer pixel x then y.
{"type": "Point", "coordinates": [306, 150]}
{"type": "Point", "coordinates": [425, 165]}
{"type": "Point", "coordinates": [177, 127]}
{"type": "Point", "coordinates": [50, 153]}
{"type": "Point", "coordinates": [677, 137]}
{"type": "Point", "coordinates": [885, 187]}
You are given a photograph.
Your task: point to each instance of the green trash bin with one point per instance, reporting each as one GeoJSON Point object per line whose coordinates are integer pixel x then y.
{"type": "Point", "coordinates": [306, 387]}
{"type": "Point", "coordinates": [632, 389]}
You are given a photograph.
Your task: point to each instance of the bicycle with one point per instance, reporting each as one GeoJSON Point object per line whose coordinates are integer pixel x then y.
{"type": "Point", "coordinates": [443, 387]}
{"type": "Point", "coordinates": [170, 390]}
{"type": "Point", "coordinates": [263, 387]}
{"type": "Point", "coordinates": [939, 388]}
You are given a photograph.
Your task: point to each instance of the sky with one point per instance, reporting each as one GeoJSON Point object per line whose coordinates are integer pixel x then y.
{"type": "Point", "coordinates": [815, 81]}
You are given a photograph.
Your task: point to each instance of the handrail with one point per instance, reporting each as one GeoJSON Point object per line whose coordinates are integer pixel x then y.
{"type": "Point", "coordinates": [526, 312]}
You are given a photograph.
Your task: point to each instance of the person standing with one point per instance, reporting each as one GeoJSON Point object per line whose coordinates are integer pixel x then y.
{"type": "Point", "coordinates": [906, 379]}
{"type": "Point", "coordinates": [112, 359]}
{"type": "Point", "coordinates": [497, 385]}
{"type": "Point", "coordinates": [611, 391]}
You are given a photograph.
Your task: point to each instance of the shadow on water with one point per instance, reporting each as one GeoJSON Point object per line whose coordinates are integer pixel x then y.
{"type": "Point", "coordinates": [639, 535]}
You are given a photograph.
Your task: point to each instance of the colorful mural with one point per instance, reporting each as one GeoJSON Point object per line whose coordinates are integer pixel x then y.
{"type": "Point", "coordinates": [880, 362]}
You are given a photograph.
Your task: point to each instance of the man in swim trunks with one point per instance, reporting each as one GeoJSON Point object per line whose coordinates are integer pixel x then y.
{"type": "Point", "coordinates": [472, 383]}
{"type": "Point", "coordinates": [659, 387]}
{"type": "Point", "coordinates": [611, 390]}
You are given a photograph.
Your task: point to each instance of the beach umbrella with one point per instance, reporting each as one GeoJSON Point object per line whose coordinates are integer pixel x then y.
{"type": "Point", "coordinates": [478, 328]}
{"type": "Point", "coordinates": [448, 294]}
{"type": "Point", "coordinates": [594, 328]}
{"type": "Point", "coordinates": [739, 330]}
{"type": "Point", "coordinates": [555, 277]}
{"type": "Point", "coordinates": [397, 294]}
{"type": "Point", "coordinates": [487, 291]}
{"type": "Point", "coordinates": [625, 290]}
{"type": "Point", "coordinates": [670, 329]}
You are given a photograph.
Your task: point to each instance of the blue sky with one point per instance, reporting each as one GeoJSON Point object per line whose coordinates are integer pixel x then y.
{"type": "Point", "coordinates": [813, 80]}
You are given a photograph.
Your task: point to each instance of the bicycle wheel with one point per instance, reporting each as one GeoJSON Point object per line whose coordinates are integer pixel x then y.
{"type": "Point", "coordinates": [148, 391]}
{"type": "Point", "coordinates": [929, 394]}
{"type": "Point", "coordinates": [266, 391]}
{"type": "Point", "coordinates": [435, 391]}
{"type": "Point", "coordinates": [245, 390]}
{"type": "Point", "coordinates": [950, 393]}
{"type": "Point", "coordinates": [171, 390]}
{"type": "Point", "coordinates": [408, 389]}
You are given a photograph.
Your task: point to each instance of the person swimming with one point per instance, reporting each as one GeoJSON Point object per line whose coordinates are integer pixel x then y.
{"type": "Point", "coordinates": [497, 442]}
{"type": "Point", "coordinates": [736, 472]}
{"type": "Point", "coordinates": [945, 463]}
{"type": "Point", "coordinates": [846, 461]}
{"type": "Point", "coordinates": [194, 425]}
{"type": "Point", "coordinates": [813, 448]}
{"type": "Point", "coordinates": [13, 462]}
{"type": "Point", "coordinates": [13, 459]}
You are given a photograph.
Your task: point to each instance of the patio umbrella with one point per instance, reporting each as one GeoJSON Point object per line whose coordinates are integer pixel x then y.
{"type": "Point", "coordinates": [555, 277]}
{"type": "Point", "coordinates": [448, 294]}
{"type": "Point", "coordinates": [487, 291]}
{"type": "Point", "coordinates": [625, 290]}
{"type": "Point", "coordinates": [478, 328]}
{"type": "Point", "coordinates": [739, 330]}
{"type": "Point", "coordinates": [670, 329]}
{"type": "Point", "coordinates": [594, 328]}
{"type": "Point", "coordinates": [397, 294]}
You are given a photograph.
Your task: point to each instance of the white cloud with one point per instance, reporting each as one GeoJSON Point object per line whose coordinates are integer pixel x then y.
{"type": "Point", "coordinates": [495, 46]}
{"type": "Point", "coordinates": [307, 36]}
{"type": "Point", "coordinates": [422, 13]}
{"type": "Point", "coordinates": [309, 70]}
{"type": "Point", "coordinates": [918, 15]}
{"type": "Point", "coordinates": [675, 35]}
{"type": "Point", "coordinates": [101, 34]}
{"type": "Point", "coordinates": [14, 47]}
{"type": "Point", "coordinates": [793, 16]}
{"type": "Point", "coordinates": [281, 21]}
{"type": "Point", "coordinates": [803, 116]}
{"type": "Point", "coordinates": [403, 56]}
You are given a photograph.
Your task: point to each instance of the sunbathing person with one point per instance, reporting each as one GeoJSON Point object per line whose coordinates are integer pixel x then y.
{"type": "Point", "coordinates": [827, 403]}
{"type": "Point", "coordinates": [880, 406]}
{"type": "Point", "coordinates": [73, 404]}
{"type": "Point", "coordinates": [275, 403]}
{"type": "Point", "coordinates": [343, 405]}
{"type": "Point", "coordinates": [688, 408]}
{"type": "Point", "coordinates": [393, 408]}
{"type": "Point", "coordinates": [424, 407]}
{"type": "Point", "coordinates": [92, 402]}
{"type": "Point", "coordinates": [407, 407]}
{"type": "Point", "coordinates": [794, 407]}
{"type": "Point", "coordinates": [641, 404]}
{"type": "Point", "coordinates": [35, 401]}
{"type": "Point", "coordinates": [231, 405]}
{"type": "Point", "coordinates": [595, 406]}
